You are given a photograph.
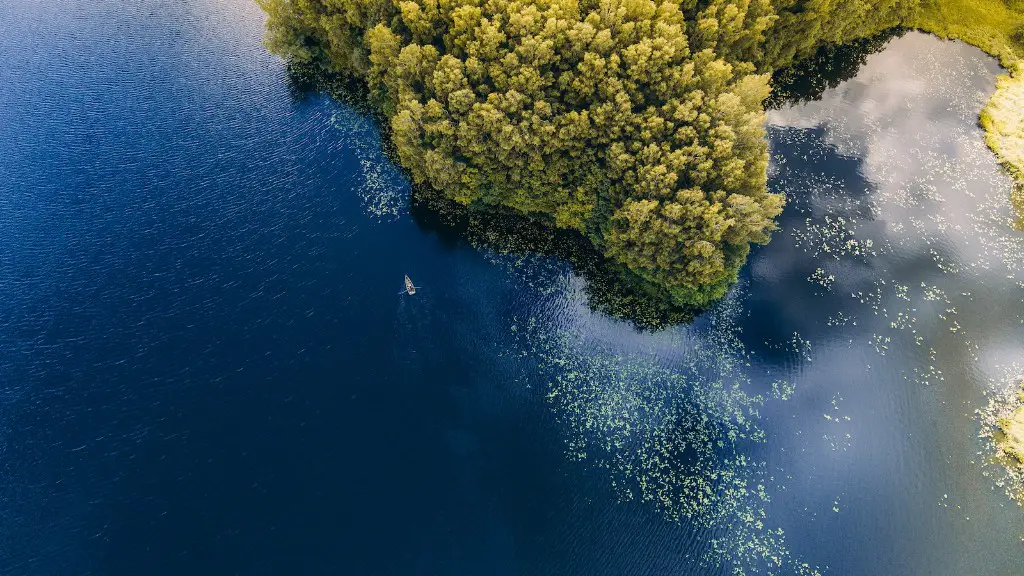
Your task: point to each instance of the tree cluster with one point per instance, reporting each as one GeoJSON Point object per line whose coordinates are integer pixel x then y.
{"type": "Point", "coordinates": [638, 123]}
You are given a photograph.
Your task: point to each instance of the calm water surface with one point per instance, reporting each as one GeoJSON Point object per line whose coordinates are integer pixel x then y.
{"type": "Point", "coordinates": [205, 367]}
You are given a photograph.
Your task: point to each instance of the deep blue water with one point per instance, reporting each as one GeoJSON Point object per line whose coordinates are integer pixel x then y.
{"type": "Point", "coordinates": [206, 368]}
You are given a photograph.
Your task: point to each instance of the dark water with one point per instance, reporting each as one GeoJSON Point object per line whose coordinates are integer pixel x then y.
{"type": "Point", "coordinates": [205, 367]}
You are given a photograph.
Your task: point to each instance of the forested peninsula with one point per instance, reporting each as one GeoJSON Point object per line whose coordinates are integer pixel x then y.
{"type": "Point", "coordinates": [637, 123]}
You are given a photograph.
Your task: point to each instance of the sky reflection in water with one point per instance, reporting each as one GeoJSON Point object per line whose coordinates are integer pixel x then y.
{"type": "Point", "coordinates": [891, 301]}
{"type": "Point", "coordinates": [205, 365]}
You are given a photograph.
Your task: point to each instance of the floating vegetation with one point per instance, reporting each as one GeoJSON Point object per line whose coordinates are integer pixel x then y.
{"type": "Point", "coordinates": [677, 438]}
{"type": "Point", "coordinates": [381, 186]}
{"type": "Point", "coordinates": [835, 236]}
{"type": "Point", "coordinates": [880, 343]}
{"type": "Point", "coordinates": [911, 192]}
{"type": "Point", "coordinates": [822, 278]}
{"type": "Point", "coordinates": [1002, 428]}
{"type": "Point", "coordinates": [938, 216]}
{"type": "Point", "coordinates": [783, 389]}
{"type": "Point", "coordinates": [840, 318]}
{"type": "Point", "coordinates": [841, 440]}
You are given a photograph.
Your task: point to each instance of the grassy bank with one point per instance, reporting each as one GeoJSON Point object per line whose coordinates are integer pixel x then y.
{"type": "Point", "coordinates": [1003, 426]}
{"type": "Point", "coordinates": [1012, 441]}
{"type": "Point", "coordinates": [997, 27]}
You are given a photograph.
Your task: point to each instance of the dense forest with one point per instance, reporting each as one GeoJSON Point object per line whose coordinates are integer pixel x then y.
{"type": "Point", "coordinates": [638, 123]}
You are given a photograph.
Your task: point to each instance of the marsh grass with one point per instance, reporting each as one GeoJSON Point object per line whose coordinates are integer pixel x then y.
{"type": "Point", "coordinates": [992, 25]}
{"type": "Point", "coordinates": [1003, 121]}
{"type": "Point", "coordinates": [1003, 428]}
{"type": "Point", "coordinates": [1011, 437]}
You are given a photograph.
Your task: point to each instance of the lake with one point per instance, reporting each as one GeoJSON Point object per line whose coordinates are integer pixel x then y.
{"type": "Point", "coordinates": [206, 365]}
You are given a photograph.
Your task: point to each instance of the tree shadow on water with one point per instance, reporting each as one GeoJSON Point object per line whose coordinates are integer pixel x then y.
{"type": "Point", "coordinates": [308, 79]}
{"type": "Point", "coordinates": [609, 288]}
{"type": "Point", "coordinates": [808, 79]}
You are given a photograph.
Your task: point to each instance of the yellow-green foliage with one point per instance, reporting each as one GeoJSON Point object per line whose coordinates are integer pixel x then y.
{"type": "Point", "coordinates": [636, 122]}
{"type": "Point", "coordinates": [584, 114]}
{"type": "Point", "coordinates": [329, 32]}
{"type": "Point", "coordinates": [1012, 441]}
{"type": "Point", "coordinates": [1003, 120]}
{"type": "Point", "coordinates": [988, 24]}
{"type": "Point", "coordinates": [804, 26]}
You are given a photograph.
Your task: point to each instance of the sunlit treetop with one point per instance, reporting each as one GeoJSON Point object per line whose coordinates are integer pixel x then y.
{"type": "Point", "coordinates": [638, 123]}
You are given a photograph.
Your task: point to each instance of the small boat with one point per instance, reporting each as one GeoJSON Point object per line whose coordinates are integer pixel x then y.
{"type": "Point", "coordinates": [410, 289]}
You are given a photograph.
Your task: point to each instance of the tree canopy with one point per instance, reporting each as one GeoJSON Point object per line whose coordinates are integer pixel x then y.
{"type": "Point", "coordinates": [638, 123]}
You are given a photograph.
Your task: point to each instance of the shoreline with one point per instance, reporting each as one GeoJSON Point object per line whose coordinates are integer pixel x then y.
{"type": "Point", "coordinates": [997, 30]}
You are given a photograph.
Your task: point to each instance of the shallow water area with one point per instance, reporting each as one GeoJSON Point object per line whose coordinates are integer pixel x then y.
{"type": "Point", "coordinates": [900, 222]}
{"type": "Point", "coordinates": [206, 365]}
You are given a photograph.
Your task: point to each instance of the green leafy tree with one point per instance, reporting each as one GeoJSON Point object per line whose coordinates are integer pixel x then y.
{"type": "Point", "coordinates": [805, 25]}
{"type": "Point", "coordinates": [638, 123]}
